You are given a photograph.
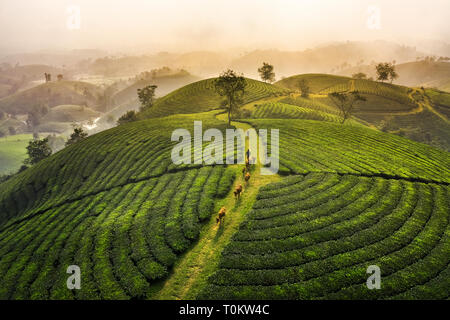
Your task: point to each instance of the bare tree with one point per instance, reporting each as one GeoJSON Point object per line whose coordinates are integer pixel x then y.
{"type": "Point", "coordinates": [346, 102]}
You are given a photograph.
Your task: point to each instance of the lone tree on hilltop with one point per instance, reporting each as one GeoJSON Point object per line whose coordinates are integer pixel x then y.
{"type": "Point", "coordinates": [386, 71]}
{"type": "Point", "coordinates": [37, 150]}
{"type": "Point", "coordinates": [345, 102]}
{"type": "Point", "coordinates": [266, 72]}
{"type": "Point", "coordinates": [146, 96]}
{"type": "Point", "coordinates": [77, 135]}
{"type": "Point", "coordinates": [304, 88]}
{"type": "Point", "coordinates": [231, 86]}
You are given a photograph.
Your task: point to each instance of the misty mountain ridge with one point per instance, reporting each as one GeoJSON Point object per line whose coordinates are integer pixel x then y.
{"type": "Point", "coordinates": [329, 57]}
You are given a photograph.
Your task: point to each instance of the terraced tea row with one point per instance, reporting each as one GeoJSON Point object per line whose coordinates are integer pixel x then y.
{"type": "Point", "coordinates": [128, 153]}
{"type": "Point", "coordinates": [313, 237]}
{"type": "Point", "coordinates": [316, 82]}
{"type": "Point", "coordinates": [201, 96]}
{"type": "Point", "coordinates": [424, 126]}
{"type": "Point", "coordinates": [355, 150]}
{"type": "Point", "coordinates": [385, 90]}
{"type": "Point", "coordinates": [311, 103]}
{"type": "Point", "coordinates": [123, 239]}
{"type": "Point", "coordinates": [278, 110]}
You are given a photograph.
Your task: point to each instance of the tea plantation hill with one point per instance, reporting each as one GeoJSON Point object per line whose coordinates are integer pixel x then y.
{"type": "Point", "coordinates": [416, 113]}
{"type": "Point", "coordinates": [115, 205]}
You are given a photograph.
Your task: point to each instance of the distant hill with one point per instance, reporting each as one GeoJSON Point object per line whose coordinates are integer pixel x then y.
{"type": "Point", "coordinates": [5, 124]}
{"type": "Point", "coordinates": [51, 94]}
{"type": "Point", "coordinates": [414, 113]}
{"type": "Point", "coordinates": [442, 84]}
{"type": "Point", "coordinates": [166, 83]}
{"type": "Point", "coordinates": [54, 58]}
{"type": "Point", "coordinates": [69, 113]}
{"type": "Point", "coordinates": [197, 62]}
{"type": "Point", "coordinates": [327, 58]}
{"type": "Point", "coordinates": [13, 79]}
{"type": "Point", "coordinates": [418, 73]}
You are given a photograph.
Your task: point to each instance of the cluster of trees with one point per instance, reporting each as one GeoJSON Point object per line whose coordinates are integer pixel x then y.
{"type": "Point", "coordinates": [37, 150]}
{"type": "Point", "coordinates": [433, 59]}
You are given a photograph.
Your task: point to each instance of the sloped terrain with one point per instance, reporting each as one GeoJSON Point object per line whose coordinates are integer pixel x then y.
{"type": "Point", "coordinates": [415, 113]}
{"type": "Point", "coordinates": [51, 94]}
{"type": "Point", "coordinates": [347, 196]}
{"type": "Point", "coordinates": [201, 96]}
{"type": "Point", "coordinates": [113, 204]}
{"type": "Point", "coordinates": [314, 236]}
{"type": "Point", "coordinates": [165, 83]}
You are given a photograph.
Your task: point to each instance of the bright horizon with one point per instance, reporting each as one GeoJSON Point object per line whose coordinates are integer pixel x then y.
{"type": "Point", "coordinates": [168, 25]}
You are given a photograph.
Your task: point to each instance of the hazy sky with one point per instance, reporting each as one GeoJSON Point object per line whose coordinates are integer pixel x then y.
{"type": "Point", "coordinates": [156, 25]}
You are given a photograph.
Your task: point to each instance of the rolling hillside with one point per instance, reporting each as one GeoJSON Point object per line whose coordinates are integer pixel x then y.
{"type": "Point", "coordinates": [200, 96]}
{"type": "Point", "coordinates": [417, 73]}
{"type": "Point", "coordinates": [410, 112]}
{"type": "Point", "coordinates": [51, 94]}
{"type": "Point", "coordinates": [312, 235]}
{"type": "Point", "coordinates": [165, 83]}
{"type": "Point", "coordinates": [443, 85]}
{"type": "Point", "coordinates": [69, 113]}
{"type": "Point", "coordinates": [140, 227]}
{"type": "Point", "coordinates": [19, 77]}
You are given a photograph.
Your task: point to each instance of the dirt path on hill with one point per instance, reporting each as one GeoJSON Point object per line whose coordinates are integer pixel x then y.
{"type": "Point", "coordinates": [191, 271]}
{"type": "Point", "coordinates": [429, 106]}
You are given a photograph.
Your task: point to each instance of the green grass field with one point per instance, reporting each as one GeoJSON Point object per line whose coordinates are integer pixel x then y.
{"type": "Point", "coordinates": [345, 197]}
{"type": "Point", "coordinates": [13, 152]}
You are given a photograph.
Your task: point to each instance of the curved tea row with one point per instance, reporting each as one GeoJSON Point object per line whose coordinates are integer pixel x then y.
{"type": "Point", "coordinates": [314, 236]}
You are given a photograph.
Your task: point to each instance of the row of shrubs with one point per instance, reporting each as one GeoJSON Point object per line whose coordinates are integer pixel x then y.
{"type": "Point", "coordinates": [401, 226]}
{"type": "Point", "coordinates": [124, 239]}
{"type": "Point", "coordinates": [125, 154]}
{"type": "Point", "coordinates": [354, 150]}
